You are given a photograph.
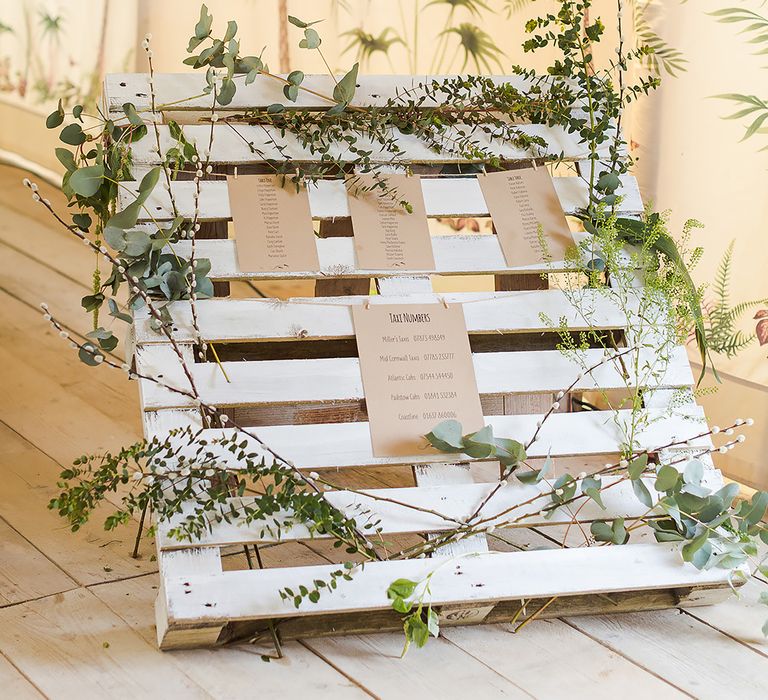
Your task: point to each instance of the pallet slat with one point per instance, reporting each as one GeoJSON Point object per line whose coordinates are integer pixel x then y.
{"type": "Point", "coordinates": [454, 255]}
{"type": "Point", "coordinates": [330, 318]}
{"type": "Point", "coordinates": [443, 197]}
{"type": "Point", "coordinates": [243, 144]}
{"type": "Point", "coordinates": [338, 380]}
{"type": "Point", "coordinates": [177, 88]}
{"type": "Point", "coordinates": [478, 577]}
{"type": "Point", "coordinates": [339, 445]}
{"type": "Point", "coordinates": [455, 502]}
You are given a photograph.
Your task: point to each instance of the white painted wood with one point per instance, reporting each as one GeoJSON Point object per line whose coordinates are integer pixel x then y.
{"type": "Point", "coordinates": [443, 197]}
{"type": "Point", "coordinates": [330, 318]}
{"type": "Point", "coordinates": [454, 255]}
{"type": "Point", "coordinates": [185, 90]}
{"type": "Point", "coordinates": [244, 144]}
{"type": "Point", "coordinates": [450, 504]}
{"type": "Point", "coordinates": [492, 576]}
{"type": "Point", "coordinates": [186, 562]}
{"type": "Point", "coordinates": [336, 445]}
{"type": "Point", "coordinates": [276, 382]}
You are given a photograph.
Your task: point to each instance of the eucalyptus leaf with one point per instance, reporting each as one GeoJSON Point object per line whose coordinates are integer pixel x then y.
{"type": "Point", "coordinates": [480, 444]}
{"type": "Point", "coordinates": [590, 486]}
{"type": "Point", "coordinates": [694, 472]}
{"type": "Point", "coordinates": [136, 243]}
{"type": "Point", "coordinates": [114, 310]}
{"type": "Point", "coordinates": [133, 116]}
{"type": "Point", "coordinates": [88, 354]}
{"type": "Point", "coordinates": [226, 92]}
{"type": "Point", "coordinates": [55, 118]}
{"type": "Point", "coordinates": [446, 436]}
{"type": "Point", "coordinates": [66, 158]}
{"type": "Point", "coordinates": [666, 478]}
{"type": "Point", "coordinates": [690, 548]}
{"type": "Point", "coordinates": [311, 39]}
{"type": "Point", "coordinates": [73, 135]}
{"type": "Point", "coordinates": [203, 26]}
{"type": "Point", "coordinates": [129, 216]}
{"type": "Point", "coordinates": [91, 302]}
{"type": "Point", "coordinates": [637, 466]}
{"type": "Point", "coordinates": [642, 492]}
{"type": "Point", "coordinates": [295, 77]}
{"type": "Point", "coordinates": [86, 181]}
{"type": "Point", "coordinates": [344, 90]}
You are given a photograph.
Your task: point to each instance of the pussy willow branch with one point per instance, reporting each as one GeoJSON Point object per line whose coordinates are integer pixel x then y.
{"type": "Point", "coordinates": [492, 522]}
{"type": "Point", "coordinates": [101, 359]}
{"type": "Point", "coordinates": [155, 128]}
{"type": "Point", "coordinates": [194, 394]}
{"type": "Point", "coordinates": [554, 407]}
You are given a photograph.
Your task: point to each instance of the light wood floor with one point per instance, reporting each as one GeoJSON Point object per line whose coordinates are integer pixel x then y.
{"type": "Point", "coordinates": [76, 612]}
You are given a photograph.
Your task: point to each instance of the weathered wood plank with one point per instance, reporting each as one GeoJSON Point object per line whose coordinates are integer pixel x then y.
{"type": "Point", "coordinates": [245, 144]}
{"type": "Point", "coordinates": [323, 380]}
{"type": "Point", "coordinates": [586, 669]}
{"type": "Point", "coordinates": [230, 673]}
{"type": "Point", "coordinates": [72, 645]}
{"type": "Point", "coordinates": [15, 684]}
{"type": "Point", "coordinates": [239, 320]}
{"type": "Point", "coordinates": [454, 255]}
{"type": "Point", "coordinates": [185, 90]}
{"type": "Point", "coordinates": [26, 572]}
{"type": "Point", "coordinates": [491, 577]}
{"type": "Point", "coordinates": [443, 197]}
{"type": "Point", "coordinates": [454, 503]}
{"type": "Point", "coordinates": [322, 446]}
{"type": "Point", "coordinates": [688, 654]}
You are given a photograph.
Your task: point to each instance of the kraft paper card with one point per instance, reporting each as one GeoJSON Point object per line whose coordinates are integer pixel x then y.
{"type": "Point", "coordinates": [521, 201]}
{"type": "Point", "coordinates": [417, 371]}
{"type": "Point", "coordinates": [387, 237]}
{"type": "Point", "coordinates": [273, 225]}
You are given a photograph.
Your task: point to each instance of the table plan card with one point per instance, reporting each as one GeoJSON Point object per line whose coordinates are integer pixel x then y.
{"type": "Point", "coordinates": [519, 202]}
{"type": "Point", "coordinates": [417, 371]}
{"type": "Point", "coordinates": [387, 237]}
{"type": "Point", "coordinates": [273, 225]}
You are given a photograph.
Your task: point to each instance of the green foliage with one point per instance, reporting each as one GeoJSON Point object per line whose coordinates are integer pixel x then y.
{"type": "Point", "coordinates": [721, 318]}
{"type": "Point", "coordinates": [753, 24]}
{"type": "Point", "coordinates": [447, 437]}
{"type": "Point", "coordinates": [649, 234]}
{"type": "Point", "coordinates": [599, 95]}
{"type": "Point", "coordinates": [419, 620]}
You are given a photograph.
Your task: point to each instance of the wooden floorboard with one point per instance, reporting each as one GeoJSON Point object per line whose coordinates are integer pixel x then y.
{"type": "Point", "coordinates": [77, 618]}
{"type": "Point", "coordinates": [26, 572]}
{"type": "Point", "coordinates": [15, 684]}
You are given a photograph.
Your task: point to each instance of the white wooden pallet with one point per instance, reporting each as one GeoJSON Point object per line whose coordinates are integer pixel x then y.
{"type": "Point", "coordinates": [311, 409]}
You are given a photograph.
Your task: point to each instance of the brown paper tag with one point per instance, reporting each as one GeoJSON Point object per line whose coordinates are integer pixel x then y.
{"type": "Point", "coordinates": [417, 371]}
{"type": "Point", "coordinates": [387, 237]}
{"type": "Point", "coordinates": [520, 201]}
{"type": "Point", "coordinates": [273, 225]}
